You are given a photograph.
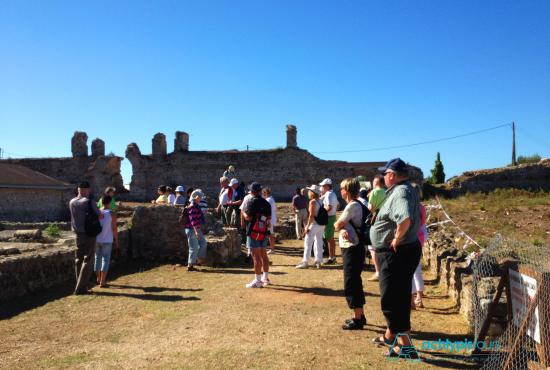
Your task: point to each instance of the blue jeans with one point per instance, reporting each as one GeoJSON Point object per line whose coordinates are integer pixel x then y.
{"type": "Point", "coordinates": [102, 256]}
{"type": "Point", "coordinates": [197, 246]}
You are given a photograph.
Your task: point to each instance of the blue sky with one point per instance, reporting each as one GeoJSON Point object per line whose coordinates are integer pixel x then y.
{"type": "Point", "coordinates": [351, 75]}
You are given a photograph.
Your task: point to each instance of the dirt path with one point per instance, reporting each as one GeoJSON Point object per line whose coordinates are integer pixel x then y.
{"type": "Point", "coordinates": [165, 317]}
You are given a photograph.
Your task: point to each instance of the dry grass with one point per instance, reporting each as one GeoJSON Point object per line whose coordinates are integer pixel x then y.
{"type": "Point", "coordinates": [517, 214]}
{"type": "Point", "coordinates": [165, 317]}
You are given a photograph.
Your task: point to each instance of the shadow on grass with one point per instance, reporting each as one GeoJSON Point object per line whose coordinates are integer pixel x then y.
{"type": "Point", "coordinates": [34, 300]}
{"type": "Point", "coordinates": [154, 289]}
{"type": "Point", "coordinates": [237, 271]}
{"type": "Point", "coordinates": [37, 299]}
{"type": "Point", "coordinates": [147, 297]}
{"type": "Point", "coordinates": [326, 292]}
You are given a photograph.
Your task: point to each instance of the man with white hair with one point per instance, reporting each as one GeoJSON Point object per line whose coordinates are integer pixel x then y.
{"type": "Point", "coordinates": [223, 200]}
{"type": "Point", "coordinates": [330, 202]}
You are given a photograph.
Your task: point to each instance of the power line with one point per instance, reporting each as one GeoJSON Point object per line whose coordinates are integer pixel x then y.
{"type": "Point", "coordinates": [420, 143]}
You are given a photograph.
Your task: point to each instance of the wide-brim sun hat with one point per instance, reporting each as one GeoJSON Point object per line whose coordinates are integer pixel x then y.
{"type": "Point", "coordinates": [314, 188]}
{"type": "Point", "coordinates": [180, 189]}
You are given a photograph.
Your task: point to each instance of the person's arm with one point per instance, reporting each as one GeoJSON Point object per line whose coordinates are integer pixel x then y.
{"type": "Point", "coordinates": [327, 205]}
{"type": "Point", "coordinates": [341, 222]}
{"type": "Point", "coordinates": [310, 218]}
{"type": "Point", "coordinates": [114, 226]}
{"type": "Point", "coordinates": [400, 232]}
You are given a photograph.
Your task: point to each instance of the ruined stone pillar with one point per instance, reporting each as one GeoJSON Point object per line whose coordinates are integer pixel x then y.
{"type": "Point", "coordinates": [181, 142]}
{"type": "Point", "coordinates": [98, 148]}
{"type": "Point", "coordinates": [79, 144]}
{"type": "Point", "coordinates": [159, 145]}
{"type": "Point", "coordinates": [291, 134]}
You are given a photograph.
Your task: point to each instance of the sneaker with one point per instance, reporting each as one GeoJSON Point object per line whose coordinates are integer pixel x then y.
{"type": "Point", "coordinates": [354, 324]}
{"type": "Point", "coordinates": [363, 320]}
{"type": "Point", "coordinates": [331, 261]}
{"type": "Point", "coordinates": [269, 251]}
{"type": "Point", "coordinates": [266, 282]}
{"type": "Point", "coordinates": [255, 284]}
{"type": "Point", "coordinates": [191, 268]}
{"type": "Point", "coordinates": [374, 277]}
{"type": "Point", "coordinates": [302, 265]}
{"type": "Point", "coordinates": [318, 265]}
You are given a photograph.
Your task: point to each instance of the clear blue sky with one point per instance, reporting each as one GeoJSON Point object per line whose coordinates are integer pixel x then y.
{"type": "Point", "coordinates": [349, 74]}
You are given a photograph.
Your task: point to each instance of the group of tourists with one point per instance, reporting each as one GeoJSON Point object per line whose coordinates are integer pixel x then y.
{"type": "Point", "coordinates": [386, 220]}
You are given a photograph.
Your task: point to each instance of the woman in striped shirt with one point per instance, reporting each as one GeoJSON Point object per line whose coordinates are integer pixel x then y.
{"type": "Point", "coordinates": [193, 230]}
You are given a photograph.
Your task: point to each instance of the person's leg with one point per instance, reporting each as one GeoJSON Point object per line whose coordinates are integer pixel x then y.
{"type": "Point", "coordinates": [329, 236]}
{"type": "Point", "coordinates": [79, 253]}
{"type": "Point", "coordinates": [418, 285]}
{"type": "Point", "coordinates": [86, 267]}
{"type": "Point", "coordinates": [105, 260]}
{"type": "Point", "coordinates": [308, 242]}
{"type": "Point", "coordinates": [97, 263]}
{"type": "Point", "coordinates": [202, 249]}
{"type": "Point", "coordinates": [298, 225]}
{"type": "Point", "coordinates": [318, 231]}
{"type": "Point", "coordinates": [374, 277]}
{"type": "Point", "coordinates": [353, 287]}
{"type": "Point", "coordinates": [385, 281]}
{"type": "Point", "coordinates": [193, 247]}
{"type": "Point", "coordinates": [258, 262]}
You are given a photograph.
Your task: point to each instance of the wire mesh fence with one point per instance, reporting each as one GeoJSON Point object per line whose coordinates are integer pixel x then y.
{"type": "Point", "coordinates": [511, 294]}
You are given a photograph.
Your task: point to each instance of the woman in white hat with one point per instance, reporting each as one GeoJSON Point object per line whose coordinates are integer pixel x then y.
{"type": "Point", "coordinates": [313, 233]}
{"type": "Point", "coordinates": [193, 230]}
{"type": "Point", "coordinates": [180, 196]}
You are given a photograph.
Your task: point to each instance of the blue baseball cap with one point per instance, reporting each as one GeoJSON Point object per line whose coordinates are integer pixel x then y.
{"type": "Point", "coordinates": [395, 165]}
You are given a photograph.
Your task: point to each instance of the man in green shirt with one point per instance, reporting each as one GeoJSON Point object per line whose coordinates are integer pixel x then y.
{"type": "Point", "coordinates": [394, 235]}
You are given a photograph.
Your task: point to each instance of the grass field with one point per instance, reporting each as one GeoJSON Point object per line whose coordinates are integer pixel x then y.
{"type": "Point", "coordinates": [517, 214]}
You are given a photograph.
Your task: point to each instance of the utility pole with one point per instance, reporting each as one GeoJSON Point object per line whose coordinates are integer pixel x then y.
{"type": "Point", "coordinates": [1, 156]}
{"type": "Point", "coordinates": [514, 144]}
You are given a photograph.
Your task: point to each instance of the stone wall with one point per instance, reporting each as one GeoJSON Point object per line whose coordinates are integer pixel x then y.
{"type": "Point", "coordinates": [155, 234]}
{"type": "Point", "coordinates": [281, 169]}
{"type": "Point", "coordinates": [526, 176]}
{"type": "Point", "coordinates": [100, 170]}
{"type": "Point", "coordinates": [31, 267]}
{"type": "Point", "coordinates": [31, 205]}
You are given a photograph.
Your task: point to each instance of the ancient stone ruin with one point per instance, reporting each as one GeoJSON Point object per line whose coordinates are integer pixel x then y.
{"type": "Point", "coordinates": [281, 169]}
{"type": "Point", "coordinates": [98, 169]}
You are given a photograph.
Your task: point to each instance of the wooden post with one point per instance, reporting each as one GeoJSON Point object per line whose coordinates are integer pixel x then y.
{"type": "Point", "coordinates": [514, 144]}
{"type": "Point", "coordinates": [522, 331]}
{"type": "Point", "coordinates": [492, 308]}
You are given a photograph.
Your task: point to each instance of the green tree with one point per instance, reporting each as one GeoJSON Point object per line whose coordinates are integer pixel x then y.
{"type": "Point", "coordinates": [438, 175]}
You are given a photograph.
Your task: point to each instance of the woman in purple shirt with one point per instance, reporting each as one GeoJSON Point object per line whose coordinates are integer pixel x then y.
{"type": "Point", "coordinates": [193, 230]}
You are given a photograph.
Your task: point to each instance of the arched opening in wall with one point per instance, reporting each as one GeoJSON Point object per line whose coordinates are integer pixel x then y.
{"type": "Point", "coordinates": [126, 171]}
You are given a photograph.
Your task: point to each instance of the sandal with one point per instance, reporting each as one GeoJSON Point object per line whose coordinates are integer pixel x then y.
{"type": "Point", "coordinates": [383, 341]}
{"type": "Point", "coordinates": [408, 353]}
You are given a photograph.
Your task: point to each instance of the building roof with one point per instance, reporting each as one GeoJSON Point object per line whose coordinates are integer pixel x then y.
{"type": "Point", "coordinates": [20, 177]}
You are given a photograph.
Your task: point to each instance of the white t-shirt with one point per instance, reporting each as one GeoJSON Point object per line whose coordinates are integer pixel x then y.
{"type": "Point", "coordinates": [171, 198]}
{"type": "Point", "coordinates": [106, 234]}
{"type": "Point", "coordinates": [273, 210]}
{"type": "Point", "coordinates": [224, 197]}
{"type": "Point", "coordinates": [330, 199]}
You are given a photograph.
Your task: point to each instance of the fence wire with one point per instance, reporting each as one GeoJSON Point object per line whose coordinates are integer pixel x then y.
{"type": "Point", "coordinates": [519, 331]}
